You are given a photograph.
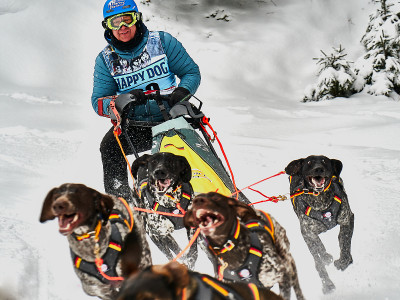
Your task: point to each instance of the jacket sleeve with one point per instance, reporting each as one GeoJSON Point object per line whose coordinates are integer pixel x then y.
{"type": "Point", "coordinates": [180, 63]}
{"type": "Point", "coordinates": [103, 86]}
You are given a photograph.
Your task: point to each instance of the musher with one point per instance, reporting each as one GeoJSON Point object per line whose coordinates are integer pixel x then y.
{"type": "Point", "coordinates": [136, 60]}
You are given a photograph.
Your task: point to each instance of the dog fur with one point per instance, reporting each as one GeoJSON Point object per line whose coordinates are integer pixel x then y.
{"type": "Point", "coordinates": [163, 173]}
{"type": "Point", "coordinates": [171, 279]}
{"type": "Point", "coordinates": [79, 209]}
{"type": "Point", "coordinates": [216, 215]}
{"type": "Point", "coordinates": [315, 182]}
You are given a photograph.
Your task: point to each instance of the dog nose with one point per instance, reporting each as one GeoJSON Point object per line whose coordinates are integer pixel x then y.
{"type": "Point", "coordinates": [59, 206]}
{"type": "Point", "coordinates": [160, 174]}
{"type": "Point", "coordinates": [198, 201]}
{"type": "Point", "coordinates": [319, 170]}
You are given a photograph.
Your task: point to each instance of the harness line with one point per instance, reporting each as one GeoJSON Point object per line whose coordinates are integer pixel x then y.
{"type": "Point", "coordinates": [249, 186]}
{"type": "Point", "coordinates": [195, 235]}
{"type": "Point", "coordinates": [206, 122]}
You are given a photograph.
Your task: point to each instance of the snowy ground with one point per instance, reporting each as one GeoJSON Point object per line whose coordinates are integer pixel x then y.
{"type": "Point", "coordinates": [254, 70]}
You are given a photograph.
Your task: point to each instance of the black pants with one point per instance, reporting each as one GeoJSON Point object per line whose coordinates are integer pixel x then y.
{"type": "Point", "coordinates": [114, 164]}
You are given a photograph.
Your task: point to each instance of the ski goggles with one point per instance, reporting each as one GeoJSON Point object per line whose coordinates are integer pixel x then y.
{"type": "Point", "coordinates": [125, 19]}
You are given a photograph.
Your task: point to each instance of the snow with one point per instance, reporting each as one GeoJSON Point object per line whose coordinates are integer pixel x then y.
{"type": "Point", "coordinates": [255, 69]}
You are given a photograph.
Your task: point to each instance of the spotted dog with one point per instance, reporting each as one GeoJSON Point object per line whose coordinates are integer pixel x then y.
{"type": "Point", "coordinates": [163, 185]}
{"type": "Point", "coordinates": [95, 225]}
{"type": "Point", "coordinates": [174, 281]}
{"type": "Point", "coordinates": [321, 203]}
{"type": "Point", "coordinates": [249, 245]}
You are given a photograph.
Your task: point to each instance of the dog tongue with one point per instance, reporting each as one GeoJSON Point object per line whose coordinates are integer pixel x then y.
{"type": "Point", "coordinates": [63, 222]}
{"type": "Point", "coordinates": [318, 182]}
{"type": "Point", "coordinates": [163, 184]}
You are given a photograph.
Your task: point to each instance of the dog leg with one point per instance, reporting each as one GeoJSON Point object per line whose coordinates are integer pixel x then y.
{"type": "Point", "coordinates": [294, 280]}
{"type": "Point", "coordinates": [191, 256]}
{"type": "Point", "coordinates": [164, 243]}
{"type": "Point", "coordinates": [284, 287]}
{"type": "Point", "coordinates": [318, 251]}
{"type": "Point", "coordinates": [345, 235]}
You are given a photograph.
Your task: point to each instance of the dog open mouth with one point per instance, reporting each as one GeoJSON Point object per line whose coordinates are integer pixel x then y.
{"type": "Point", "coordinates": [162, 185]}
{"type": "Point", "coordinates": [317, 182]}
{"type": "Point", "coordinates": [208, 220]}
{"type": "Point", "coordinates": [67, 223]}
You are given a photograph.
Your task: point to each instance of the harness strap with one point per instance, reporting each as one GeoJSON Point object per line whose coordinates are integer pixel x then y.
{"type": "Point", "coordinates": [248, 271]}
{"type": "Point", "coordinates": [330, 213]}
{"type": "Point", "coordinates": [180, 206]}
{"type": "Point", "coordinates": [110, 258]}
{"type": "Point", "coordinates": [208, 285]}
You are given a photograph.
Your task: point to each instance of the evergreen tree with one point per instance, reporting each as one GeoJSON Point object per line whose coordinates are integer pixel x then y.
{"type": "Point", "coordinates": [379, 69]}
{"type": "Point", "coordinates": [335, 77]}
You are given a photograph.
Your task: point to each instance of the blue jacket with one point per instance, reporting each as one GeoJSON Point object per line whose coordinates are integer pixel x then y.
{"type": "Point", "coordinates": [179, 62]}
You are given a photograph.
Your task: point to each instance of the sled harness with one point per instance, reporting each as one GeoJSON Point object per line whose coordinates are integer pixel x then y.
{"type": "Point", "coordinates": [181, 205]}
{"type": "Point", "coordinates": [248, 271]}
{"type": "Point", "coordinates": [329, 213]}
{"type": "Point", "coordinates": [208, 285]}
{"type": "Point", "coordinates": [104, 268]}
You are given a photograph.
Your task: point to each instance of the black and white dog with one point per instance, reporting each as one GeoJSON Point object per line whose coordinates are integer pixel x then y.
{"type": "Point", "coordinates": [163, 185]}
{"type": "Point", "coordinates": [321, 203]}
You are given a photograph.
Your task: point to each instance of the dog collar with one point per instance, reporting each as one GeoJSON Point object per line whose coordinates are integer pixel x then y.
{"type": "Point", "coordinates": [232, 239]}
{"type": "Point", "coordinates": [306, 191]}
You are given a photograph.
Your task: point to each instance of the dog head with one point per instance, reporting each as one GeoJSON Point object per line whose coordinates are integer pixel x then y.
{"type": "Point", "coordinates": [316, 170]}
{"type": "Point", "coordinates": [76, 206]}
{"type": "Point", "coordinates": [215, 214]}
{"type": "Point", "coordinates": [158, 282]}
{"type": "Point", "coordinates": [165, 170]}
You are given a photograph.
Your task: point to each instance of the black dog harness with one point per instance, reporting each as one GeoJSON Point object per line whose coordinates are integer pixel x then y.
{"type": "Point", "coordinates": [181, 205]}
{"type": "Point", "coordinates": [328, 214]}
{"type": "Point", "coordinates": [208, 285]}
{"type": "Point", "coordinates": [248, 271]}
{"type": "Point", "coordinates": [111, 255]}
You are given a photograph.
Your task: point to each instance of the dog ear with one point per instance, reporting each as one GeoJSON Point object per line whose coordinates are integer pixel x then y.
{"type": "Point", "coordinates": [188, 219]}
{"type": "Point", "coordinates": [337, 167]}
{"type": "Point", "coordinates": [243, 211]}
{"type": "Point", "coordinates": [175, 273]}
{"type": "Point", "coordinates": [294, 167]}
{"type": "Point", "coordinates": [186, 173]}
{"type": "Point", "coordinates": [141, 161]}
{"type": "Point", "coordinates": [131, 254]}
{"type": "Point", "coordinates": [46, 214]}
{"type": "Point", "coordinates": [105, 204]}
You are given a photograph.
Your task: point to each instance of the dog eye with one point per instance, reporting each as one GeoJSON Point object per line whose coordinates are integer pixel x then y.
{"type": "Point", "coordinates": [309, 162]}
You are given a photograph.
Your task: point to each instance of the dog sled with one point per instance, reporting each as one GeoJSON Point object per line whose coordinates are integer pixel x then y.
{"type": "Point", "coordinates": [183, 133]}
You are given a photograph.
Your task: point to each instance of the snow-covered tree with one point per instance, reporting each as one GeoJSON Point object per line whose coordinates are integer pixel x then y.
{"type": "Point", "coordinates": [335, 77]}
{"type": "Point", "coordinates": [378, 71]}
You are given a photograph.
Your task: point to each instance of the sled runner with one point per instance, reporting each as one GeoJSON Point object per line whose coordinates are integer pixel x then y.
{"type": "Point", "coordinates": [179, 134]}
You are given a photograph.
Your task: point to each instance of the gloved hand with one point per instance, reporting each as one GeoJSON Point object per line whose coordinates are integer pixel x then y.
{"type": "Point", "coordinates": [125, 102]}
{"type": "Point", "coordinates": [139, 97]}
{"type": "Point", "coordinates": [179, 94]}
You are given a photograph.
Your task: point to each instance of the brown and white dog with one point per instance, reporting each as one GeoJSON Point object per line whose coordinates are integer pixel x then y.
{"type": "Point", "coordinates": [174, 281]}
{"type": "Point", "coordinates": [321, 203]}
{"type": "Point", "coordinates": [95, 225]}
{"type": "Point", "coordinates": [248, 245]}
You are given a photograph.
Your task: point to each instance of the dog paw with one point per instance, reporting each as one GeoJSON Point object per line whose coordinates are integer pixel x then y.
{"type": "Point", "coordinates": [327, 286]}
{"type": "Point", "coordinates": [327, 259]}
{"type": "Point", "coordinates": [343, 263]}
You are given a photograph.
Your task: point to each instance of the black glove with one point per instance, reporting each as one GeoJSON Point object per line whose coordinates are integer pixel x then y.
{"type": "Point", "coordinates": [125, 102]}
{"type": "Point", "coordinates": [178, 95]}
{"type": "Point", "coordinates": [139, 97]}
